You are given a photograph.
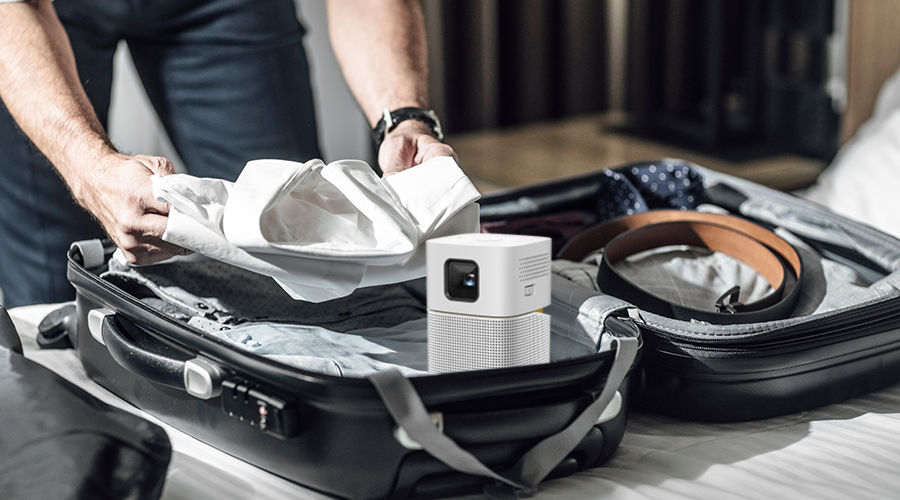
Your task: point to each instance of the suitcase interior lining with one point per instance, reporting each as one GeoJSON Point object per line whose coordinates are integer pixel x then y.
{"type": "Point", "coordinates": [372, 329]}
{"type": "Point", "coordinates": [847, 263]}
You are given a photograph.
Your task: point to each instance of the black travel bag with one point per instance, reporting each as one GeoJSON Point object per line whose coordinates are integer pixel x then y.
{"type": "Point", "coordinates": [384, 436]}
{"type": "Point", "coordinates": [839, 337]}
{"type": "Point", "coordinates": [58, 441]}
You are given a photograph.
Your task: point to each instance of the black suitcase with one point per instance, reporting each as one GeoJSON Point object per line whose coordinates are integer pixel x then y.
{"type": "Point", "coordinates": [58, 441]}
{"type": "Point", "coordinates": [733, 372]}
{"type": "Point", "coordinates": [354, 437]}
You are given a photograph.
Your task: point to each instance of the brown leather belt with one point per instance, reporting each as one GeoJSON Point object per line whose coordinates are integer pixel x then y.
{"type": "Point", "coordinates": [772, 257]}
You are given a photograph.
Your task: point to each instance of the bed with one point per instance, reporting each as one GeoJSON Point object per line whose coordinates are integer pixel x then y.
{"type": "Point", "coordinates": [838, 451]}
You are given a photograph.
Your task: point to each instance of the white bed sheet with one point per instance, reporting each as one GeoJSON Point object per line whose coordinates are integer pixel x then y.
{"type": "Point", "coordinates": [847, 450]}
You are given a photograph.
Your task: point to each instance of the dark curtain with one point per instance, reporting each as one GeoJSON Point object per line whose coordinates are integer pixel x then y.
{"type": "Point", "coordinates": [508, 62]}
{"type": "Point", "coordinates": [739, 78]}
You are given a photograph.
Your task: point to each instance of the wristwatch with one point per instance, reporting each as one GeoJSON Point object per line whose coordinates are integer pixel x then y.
{"type": "Point", "coordinates": [390, 119]}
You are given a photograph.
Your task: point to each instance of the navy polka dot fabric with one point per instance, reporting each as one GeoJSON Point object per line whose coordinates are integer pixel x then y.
{"type": "Point", "coordinates": [650, 185]}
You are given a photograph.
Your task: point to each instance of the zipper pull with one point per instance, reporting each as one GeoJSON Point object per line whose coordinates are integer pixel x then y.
{"type": "Point", "coordinates": [634, 314]}
{"type": "Point", "coordinates": [615, 326]}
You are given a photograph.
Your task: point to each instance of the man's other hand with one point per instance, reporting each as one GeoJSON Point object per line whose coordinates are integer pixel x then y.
{"type": "Point", "coordinates": [408, 145]}
{"type": "Point", "coordinates": [119, 193]}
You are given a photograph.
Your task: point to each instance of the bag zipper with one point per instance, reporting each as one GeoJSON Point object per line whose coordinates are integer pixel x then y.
{"type": "Point", "coordinates": [827, 329]}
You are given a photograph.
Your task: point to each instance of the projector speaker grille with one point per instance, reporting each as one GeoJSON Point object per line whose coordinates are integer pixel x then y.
{"type": "Point", "coordinates": [458, 342]}
{"type": "Point", "coordinates": [534, 267]}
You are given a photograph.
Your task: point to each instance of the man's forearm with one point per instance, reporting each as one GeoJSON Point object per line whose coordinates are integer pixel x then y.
{"type": "Point", "coordinates": [39, 85]}
{"type": "Point", "coordinates": [381, 47]}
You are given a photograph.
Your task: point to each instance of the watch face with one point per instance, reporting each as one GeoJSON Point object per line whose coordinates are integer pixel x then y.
{"type": "Point", "coordinates": [436, 126]}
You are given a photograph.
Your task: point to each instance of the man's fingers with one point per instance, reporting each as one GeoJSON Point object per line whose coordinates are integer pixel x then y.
{"type": "Point", "coordinates": [130, 257]}
{"type": "Point", "coordinates": [142, 242]}
{"type": "Point", "coordinates": [144, 187]}
{"type": "Point", "coordinates": [153, 225]}
{"type": "Point", "coordinates": [165, 250]}
{"type": "Point", "coordinates": [399, 153]}
{"type": "Point", "coordinates": [151, 250]}
{"type": "Point", "coordinates": [152, 204]}
{"type": "Point", "coordinates": [396, 155]}
{"type": "Point", "coordinates": [156, 206]}
{"type": "Point", "coordinates": [157, 225]}
{"type": "Point", "coordinates": [151, 254]}
{"type": "Point", "coordinates": [430, 148]}
{"type": "Point", "coordinates": [156, 164]}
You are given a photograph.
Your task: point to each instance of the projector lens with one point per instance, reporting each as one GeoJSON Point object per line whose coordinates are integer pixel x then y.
{"type": "Point", "coordinates": [461, 280]}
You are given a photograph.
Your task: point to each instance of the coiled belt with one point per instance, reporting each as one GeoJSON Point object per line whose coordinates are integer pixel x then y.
{"type": "Point", "coordinates": [771, 256]}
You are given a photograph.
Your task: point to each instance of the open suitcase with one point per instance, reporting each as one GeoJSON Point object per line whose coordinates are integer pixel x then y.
{"type": "Point", "coordinates": [841, 338]}
{"type": "Point", "coordinates": [357, 437]}
{"type": "Point", "coordinates": [334, 434]}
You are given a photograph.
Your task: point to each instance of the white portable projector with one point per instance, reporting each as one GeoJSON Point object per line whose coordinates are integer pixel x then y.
{"type": "Point", "coordinates": [485, 296]}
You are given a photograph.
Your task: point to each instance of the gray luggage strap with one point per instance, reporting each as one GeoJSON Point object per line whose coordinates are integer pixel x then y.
{"type": "Point", "coordinates": [409, 413]}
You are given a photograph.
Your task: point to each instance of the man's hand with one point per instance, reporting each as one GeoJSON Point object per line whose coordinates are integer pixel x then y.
{"type": "Point", "coordinates": [40, 86]}
{"type": "Point", "coordinates": [118, 192]}
{"type": "Point", "coordinates": [408, 145]}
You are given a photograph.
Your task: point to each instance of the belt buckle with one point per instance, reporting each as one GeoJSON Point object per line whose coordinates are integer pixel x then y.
{"type": "Point", "coordinates": [728, 302]}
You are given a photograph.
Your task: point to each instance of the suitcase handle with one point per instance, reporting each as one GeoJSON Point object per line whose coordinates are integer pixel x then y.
{"type": "Point", "coordinates": [409, 413]}
{"type": "Point", "coordinates": [150, 365]}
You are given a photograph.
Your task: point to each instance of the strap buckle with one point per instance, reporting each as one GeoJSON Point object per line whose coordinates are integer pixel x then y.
{"type": "Point", "coordinates": [729, 301]}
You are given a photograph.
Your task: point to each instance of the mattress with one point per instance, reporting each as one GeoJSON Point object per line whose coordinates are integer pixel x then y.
{"type": "Point", "coordinates": [847, 450]}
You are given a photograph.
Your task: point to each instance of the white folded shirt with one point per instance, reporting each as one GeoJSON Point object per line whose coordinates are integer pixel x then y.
{"type": "Point", "coordinates": [321, 231]}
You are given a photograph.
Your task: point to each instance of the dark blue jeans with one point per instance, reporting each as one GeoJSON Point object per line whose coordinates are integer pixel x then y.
{"type": "Point", "coordinates": [229, 80]}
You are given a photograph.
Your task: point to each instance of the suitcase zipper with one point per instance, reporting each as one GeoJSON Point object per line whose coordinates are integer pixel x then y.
{"type": "Point", "coordinates": [881, 315]}
{"type": "Point", "coordinates": [876, 317]}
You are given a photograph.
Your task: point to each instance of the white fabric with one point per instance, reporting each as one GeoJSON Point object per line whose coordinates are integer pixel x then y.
{"type": "Point", "coordinates": [320, 230]}
{"type": "Point", "coordinates": [863, 181]}
{"type": "Point", "coordinates": [845, 450]}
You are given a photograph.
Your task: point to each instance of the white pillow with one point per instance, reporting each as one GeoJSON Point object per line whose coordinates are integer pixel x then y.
{"type": "Point", "coordinates": [863, 180]}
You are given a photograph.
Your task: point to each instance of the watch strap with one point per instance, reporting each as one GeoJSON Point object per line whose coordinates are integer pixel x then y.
{"type": "Point", "coordinates": [390, 119]}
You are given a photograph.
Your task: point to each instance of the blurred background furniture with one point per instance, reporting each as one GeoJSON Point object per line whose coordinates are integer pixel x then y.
{"type": "Point", "coordinates": [536, 89]}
